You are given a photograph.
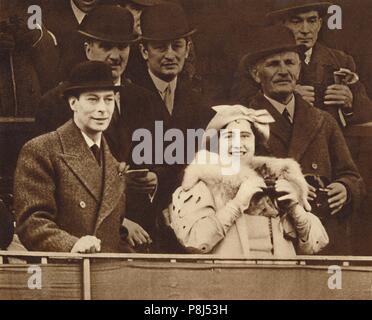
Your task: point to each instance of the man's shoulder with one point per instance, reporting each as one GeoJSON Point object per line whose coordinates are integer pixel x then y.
{"type": "Point", "coordinates": [340, 56]}
{"type": "Point", "coordinates": [48, 141]}
{"type": "Point", "coordinates": [132, 89]}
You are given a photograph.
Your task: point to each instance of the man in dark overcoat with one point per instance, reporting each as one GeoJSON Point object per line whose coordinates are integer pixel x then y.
{"type": "Point", "coordinates": [305, 133]}
{"type": "Point", "coordinates": [69, 191]}
{"type": "Point", "coordinates": [165, 47]}
{"type": "Point", "coordinates": [328, 77]}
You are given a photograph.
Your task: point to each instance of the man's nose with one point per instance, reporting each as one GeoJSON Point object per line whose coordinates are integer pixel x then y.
{"type": "Point", "coordinates": [114, 54]}
{"type": "Point", "coordinates": [283, 69]}
{"type": "Point", "coordinates": [305, 27]}
{"type": "Point", "coordinates": [101, 106]}
{"type": "Point", "coordinates": [169, 53]}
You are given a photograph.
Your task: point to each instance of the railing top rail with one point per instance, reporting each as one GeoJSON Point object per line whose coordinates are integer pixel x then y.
{"type": "Point", "coordinates": [174, 257]}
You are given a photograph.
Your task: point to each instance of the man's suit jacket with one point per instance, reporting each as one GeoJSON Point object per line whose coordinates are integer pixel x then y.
{"type": "Point", "coordinates": [189, 112]}
{"type": "Point", "coordinates": [317, 143]}
{"type": "Point", "coordinates": [319, 73]}
{"type": "Point", "coordinates": [58, 196]}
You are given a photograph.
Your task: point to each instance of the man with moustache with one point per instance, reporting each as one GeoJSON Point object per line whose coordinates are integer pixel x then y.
{"type": "Point", "coordinates": [108, 33]}
{"type": "Point", "coordinates": [307, 134]}
{"type": "Point", "coordinates": [69, 190]}
{"type": "Point", "coordinates": [328, 77]}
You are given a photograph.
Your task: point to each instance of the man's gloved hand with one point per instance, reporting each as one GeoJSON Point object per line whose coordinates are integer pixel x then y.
{"type": "Point", "coordinates": [136, 234]}
{"type": "Point", "coordinates": [87, 244]}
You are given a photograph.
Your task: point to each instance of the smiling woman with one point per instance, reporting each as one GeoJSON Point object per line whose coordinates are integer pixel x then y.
{"type": "Point", "coordinates": [261, 211]}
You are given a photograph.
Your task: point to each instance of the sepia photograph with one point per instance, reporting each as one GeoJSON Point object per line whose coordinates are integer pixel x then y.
{"type": "Point", "coordinates": [194, 152]}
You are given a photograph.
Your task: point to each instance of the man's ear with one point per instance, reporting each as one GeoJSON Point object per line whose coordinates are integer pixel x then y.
{"type": "Point", "coordinates": [72, 101]}
{"type": "Point", "coordinates": [255, 73]}
{"type": "Point", "coordinates": [188, 48]}
{"type": "Point", "coordinates": [144, 52]}
{"type": "Point", "coordinates": [87, 49]}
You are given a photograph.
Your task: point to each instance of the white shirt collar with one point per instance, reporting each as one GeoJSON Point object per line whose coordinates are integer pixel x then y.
{"type": "Point", "coordinates": [308, 55]}
{"type": "Point", "coordinates": [79, 15]}
{"type": "Point", "coordinates": [162, 85]}
{"type": "Point", "coordinates": [280, 106]}
{"type": "Point", "coordinates": [90, 142]}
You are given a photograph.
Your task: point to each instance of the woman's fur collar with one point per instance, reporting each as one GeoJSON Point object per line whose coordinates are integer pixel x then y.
{"type": "Point", "coordinates": [207, 168]}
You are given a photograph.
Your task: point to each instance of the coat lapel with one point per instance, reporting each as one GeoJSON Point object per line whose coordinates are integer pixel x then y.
{"type": "Point", "coordinates": [113, 187]}
{"type": "Point", "coordinates": [79, 158]}
{"type": "Point", "coordinates": [306, 126]}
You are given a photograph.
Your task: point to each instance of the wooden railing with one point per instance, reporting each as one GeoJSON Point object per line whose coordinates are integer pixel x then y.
{"type": "Point", "coordinates": [155, 276]}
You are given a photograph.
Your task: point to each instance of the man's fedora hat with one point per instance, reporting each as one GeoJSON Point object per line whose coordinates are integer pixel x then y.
{"type": "Point", "coordinates": [110, 24]}
{"type": "Point", "coordinates": [166, 21]}
{"type": "Point", "coordinates": [90, 75]}
{"type": "Point", "coordinates": [285, 8]}
{"type": "Point", "coordinates": [273, 39]}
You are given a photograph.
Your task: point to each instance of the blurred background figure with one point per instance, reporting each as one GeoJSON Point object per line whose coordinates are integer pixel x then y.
{"type": "Point", "coordinates": [63, 18]}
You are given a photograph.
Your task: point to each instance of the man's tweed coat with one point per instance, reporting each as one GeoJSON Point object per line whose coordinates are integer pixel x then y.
{"type": "Point", "coordinates": [59, 196]}
{"type": "Point", "coordinates": [316, 142]}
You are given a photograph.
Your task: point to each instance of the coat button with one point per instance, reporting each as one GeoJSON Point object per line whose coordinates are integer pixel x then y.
{"type": "Point", "coordinates": [314, 166]}
{"type": "Point", "coordinates": [83, 205]}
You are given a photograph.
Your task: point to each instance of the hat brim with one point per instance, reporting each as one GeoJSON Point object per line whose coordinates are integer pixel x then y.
{"type": "Point", "coordinates": [86, 87]}
{"type": "Point", "coordinates": [251, 58]}
{"type": "Point", "coordinates": [131, 39]}
{"type": "Point", "coordinates": [322, 7]}
{"type": "Point", "coordinates": [170, 37]}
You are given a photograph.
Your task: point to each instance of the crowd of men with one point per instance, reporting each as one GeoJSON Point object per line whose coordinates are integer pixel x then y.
{"type": "Point", "coordinates": [119, 67]}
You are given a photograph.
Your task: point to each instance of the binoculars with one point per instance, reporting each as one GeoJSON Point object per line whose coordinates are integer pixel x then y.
{"type": "Point", "coordinates": [319, 205]}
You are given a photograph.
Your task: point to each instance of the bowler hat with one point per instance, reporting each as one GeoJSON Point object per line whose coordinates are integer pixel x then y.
{"type": "Point", "coordinates": [90, 75]}
{"type": "Point", "coordinates": [272, 40]}
{"type": "Point", "coordinates": [109, 24]}
{"type": "Point", "coordinates": [285, 8]}
{"type": "Point", "coordinates": [166, 21]}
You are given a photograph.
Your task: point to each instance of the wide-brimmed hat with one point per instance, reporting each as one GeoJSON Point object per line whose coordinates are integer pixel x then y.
{"type": "Point", "coordinates": [285, 8]}
{"type": "Point", "coordinates": [273, 39]}
{"type": "Point", "coordinates": [109, 23]}
{"type": "Point", "coordinates": [166, 21]}
{"type": "Point", "coordinates": [90, 75]}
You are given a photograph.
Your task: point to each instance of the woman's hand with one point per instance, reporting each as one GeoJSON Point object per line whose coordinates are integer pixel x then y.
{"type": "Point", "coordinates": [291, 195]}
{"type": "Point", "coordinates": [247, 190]}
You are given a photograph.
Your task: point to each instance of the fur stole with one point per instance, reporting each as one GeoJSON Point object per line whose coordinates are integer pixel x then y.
{"type": "Point", "coordinates": [206, 167]}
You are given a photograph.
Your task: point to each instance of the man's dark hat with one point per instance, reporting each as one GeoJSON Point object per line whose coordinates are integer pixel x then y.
{"type": "Point", "coordinates": [166, 21]}
{"type": "Point", "coordinates": [285, 8]}
{"type": "Point", "coordinates": [90, 75]}
{"type": "Point", "coordinates": [110, 24]}
{"type": "Point", "coordinates": [273, 39]}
